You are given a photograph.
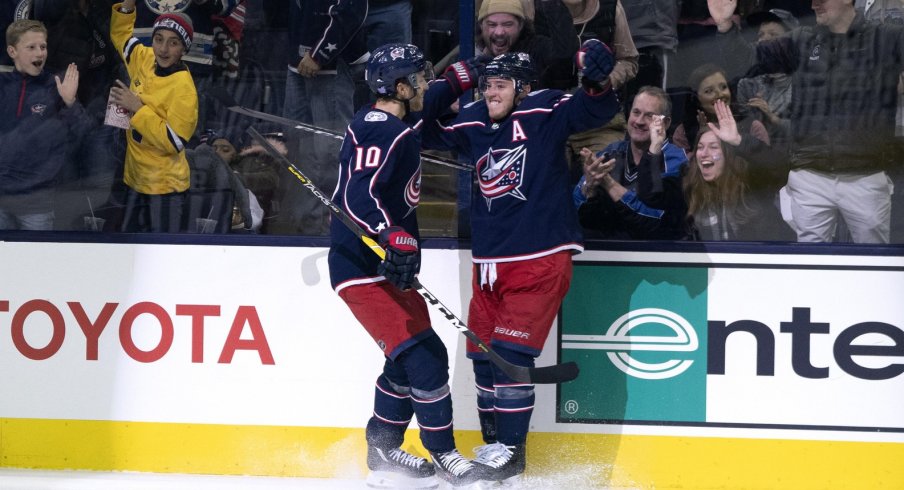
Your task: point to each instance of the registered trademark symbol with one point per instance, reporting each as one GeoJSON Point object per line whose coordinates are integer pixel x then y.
{"type": "Point", "coordinates": [571, 407]}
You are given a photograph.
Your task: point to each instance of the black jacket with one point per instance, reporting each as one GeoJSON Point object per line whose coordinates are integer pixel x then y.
{"type": "Point", "coordinates": [845, 95]}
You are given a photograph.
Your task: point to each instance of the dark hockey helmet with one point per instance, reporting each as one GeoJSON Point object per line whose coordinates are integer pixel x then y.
{"type": "Point", "coordinates": [392, 62]}
{"type": "Point", "coordinates": [513, 66]}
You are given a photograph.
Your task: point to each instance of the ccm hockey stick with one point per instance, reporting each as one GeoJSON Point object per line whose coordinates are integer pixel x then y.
{"type": "Point", "coordinates": [227, 100]}
{"type": "Point", "coordinates": [558, 373]}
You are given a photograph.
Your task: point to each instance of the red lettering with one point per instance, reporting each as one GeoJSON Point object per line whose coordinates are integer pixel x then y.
{"type": "Point", "coordinates": [92, 330]}
{"type": "Point", "coordinates": [166, 332]}
{"type": "Point", "coordinates": [4, 305]}
{"type": "Point", "coordinates": [197, 314]}
{"type": "Point", "coordinates": [18, 329]}
{"type": "Point", "coordinates": [246, 315]}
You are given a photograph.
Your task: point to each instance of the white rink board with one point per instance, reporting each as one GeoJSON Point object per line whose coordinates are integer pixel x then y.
{"type": "Point", "coordinates": [324, 362]}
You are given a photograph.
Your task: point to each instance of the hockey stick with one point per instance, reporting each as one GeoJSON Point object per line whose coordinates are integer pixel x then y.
{"type": "Point", "coordinates": [558, 373]}
{"type": "Point", "coordinates": [226, 99]}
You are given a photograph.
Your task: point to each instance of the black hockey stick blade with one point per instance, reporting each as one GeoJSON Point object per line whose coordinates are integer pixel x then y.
{"type": "Point", "coordinates": [558, 373]}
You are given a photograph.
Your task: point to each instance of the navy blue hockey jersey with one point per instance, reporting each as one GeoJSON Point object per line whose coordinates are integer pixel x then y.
{"type": "Point", "coordinates": [379, 186]}
{"type": "Point", "coordinates": [525, 208]}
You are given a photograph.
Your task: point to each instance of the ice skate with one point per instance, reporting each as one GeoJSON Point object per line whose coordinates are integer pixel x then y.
{"type": "Point", "coordinates": [457, 470]}
{"type": "Point", "coordinates": [395, 468]}
{"type": "Point", "coordinates": [505, 464]}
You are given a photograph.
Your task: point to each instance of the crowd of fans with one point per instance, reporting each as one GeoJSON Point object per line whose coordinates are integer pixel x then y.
{"type": "Point", "coordinates": [754, 120]}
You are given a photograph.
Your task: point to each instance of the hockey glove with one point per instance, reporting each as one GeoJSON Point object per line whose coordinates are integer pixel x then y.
{"type": "Point", "coordinates": [595, 60]}
{"type": "Point", "coordinates": [400, 264]}
{"type": "Point", "coordinates": [464, 75]}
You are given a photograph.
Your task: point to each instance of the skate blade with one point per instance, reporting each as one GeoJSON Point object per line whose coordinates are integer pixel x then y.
{"type": "Point", "coordinates": [388, 479]}
{"type": "Point", "coordinates": [510, 482]}
{"type": "Point", "coordinates": [478, 485]}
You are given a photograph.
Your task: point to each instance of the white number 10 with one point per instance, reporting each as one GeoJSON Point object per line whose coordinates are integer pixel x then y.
{"type": "Point", "coordinates": [369, 159]}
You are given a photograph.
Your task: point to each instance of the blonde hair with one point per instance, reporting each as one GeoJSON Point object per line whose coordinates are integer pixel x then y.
{"type": "Point", "coordinates": [729, 191]}
{"type": "Point", "coordinates": [15, 30]}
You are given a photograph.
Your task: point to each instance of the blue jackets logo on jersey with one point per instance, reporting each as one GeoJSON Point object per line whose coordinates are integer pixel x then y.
{"type": "Point", "coordinates": [500, 173]}
{"type": "Point", "coordinates": [413, 192]}
{"type": "Point", "coordinates": [167, 6]}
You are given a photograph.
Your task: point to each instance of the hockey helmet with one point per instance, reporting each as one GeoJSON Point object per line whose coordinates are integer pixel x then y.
{"type": "Point", "coordinates": [392, 62]}
{"type": "Point", "coordinates": [512, 66]}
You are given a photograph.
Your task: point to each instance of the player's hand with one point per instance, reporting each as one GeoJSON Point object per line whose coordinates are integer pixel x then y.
{"type": "Point", "coordinates": [68, 86]}
{"type": "Point", "coordinates": [463, 75]}
{"type": "Point", "coordinates": [596, 61]}
{"type": "Point", "coordinates": [400, 264]}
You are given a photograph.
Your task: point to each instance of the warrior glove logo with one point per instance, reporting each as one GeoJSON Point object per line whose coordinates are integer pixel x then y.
{"type": "Point", "coordinates": [500, 173]}
{"type": "Point", "coordinates": [620, 343]}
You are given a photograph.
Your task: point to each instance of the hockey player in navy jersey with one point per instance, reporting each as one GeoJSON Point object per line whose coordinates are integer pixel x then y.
{"type": "Point", "coordinates": [379, 188]}
{"type": "Point", "coordinates": [525, 228]}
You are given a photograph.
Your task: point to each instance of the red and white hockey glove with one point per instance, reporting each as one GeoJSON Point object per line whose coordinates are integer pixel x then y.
{"type": "Point", "coordinates": [464, 75]}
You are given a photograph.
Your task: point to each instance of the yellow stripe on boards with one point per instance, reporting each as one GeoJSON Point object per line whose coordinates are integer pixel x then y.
{"type": "Point", "coordinates": [573, 461]}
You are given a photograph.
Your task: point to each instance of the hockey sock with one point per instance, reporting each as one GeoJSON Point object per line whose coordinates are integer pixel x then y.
{"type": "Point", "coordinates": [427, 366]}
{"type": "Point", "coordinates": [514, 401]}
{"type": "Point", "coordinates": [392, 413]}
{"type": "Point", "coordinates": [486, 399]}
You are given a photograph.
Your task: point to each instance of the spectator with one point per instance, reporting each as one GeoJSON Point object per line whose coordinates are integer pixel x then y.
{"type": "Point", "coordinates": [653, 25]}
{"type": "Point", "coordinates": [79, 32]}
{"type": "Point", "coordinates": [259, 173]}
{"type": "Point", "coordinates": [505, 26]}
{"type": "Point", "coordinates": [729, 199]}
{"type": "Point", "coordinates": [164, 107]}
{"type": "Point", "coordinates": [328, 55]}
{"type": "Point", "coordinates": [213, 56]}
{"type": "Point", "coordinates": [710, 84]}
{"type": "Point", "coordinates": [632, 189]}
{"type": "Point", "coordinates": [769, 94]}
{"type": "Point", "coordinates": [525, 228]}
{"type": "Point", "coordinates": [845, 73]}
{"type": "Point", "coordinates": [41, 114]}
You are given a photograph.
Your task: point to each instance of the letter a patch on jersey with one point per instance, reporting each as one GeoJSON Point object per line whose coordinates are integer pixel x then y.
{"type": "Point", "coordinates": [517, 132]}
{"type": "Point", "coordinates": [500, 173]}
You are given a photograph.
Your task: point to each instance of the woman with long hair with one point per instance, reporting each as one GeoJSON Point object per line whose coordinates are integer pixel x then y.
{"type": "Point", "coordinates": [727, 197]}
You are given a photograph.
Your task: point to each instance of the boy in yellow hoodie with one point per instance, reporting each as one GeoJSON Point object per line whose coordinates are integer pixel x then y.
{"type": "Point", "coordinates": [164, 103]}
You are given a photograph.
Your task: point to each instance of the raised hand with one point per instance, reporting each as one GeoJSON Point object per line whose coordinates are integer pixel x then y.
{"type": "Point", "coordinates": [464, 75]}
{"type": "Point", "coordinates": [657, 133]}
{"type": "Point", "coordinates": [68, 86]}
{"type": "Point", "coordinates": [727, 129]}
{"type": "Point", "coordinates": [596, 61]}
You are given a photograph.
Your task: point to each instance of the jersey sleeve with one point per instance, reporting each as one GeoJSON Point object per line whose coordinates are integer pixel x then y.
{"type": "Point", "coordinates": [581, 111]}
{"type": "Point", "coordinates": [346, 18]}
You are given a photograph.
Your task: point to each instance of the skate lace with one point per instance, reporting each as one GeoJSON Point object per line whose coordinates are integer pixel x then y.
{"type": "Point", "coordinates": [494, 455]}
{"type": "Point", "coordinates": [455, 463]}
{"type": "Point", "coordinates": [405, 458]}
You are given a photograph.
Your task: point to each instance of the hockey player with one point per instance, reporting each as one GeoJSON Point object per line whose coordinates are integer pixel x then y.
{"type": "Point", "coordinates": [525, 228]}
{"type": "Point", "coordinates": [379, 188]}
